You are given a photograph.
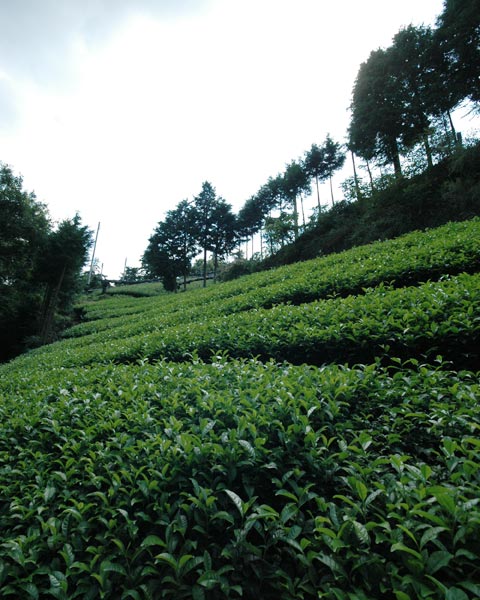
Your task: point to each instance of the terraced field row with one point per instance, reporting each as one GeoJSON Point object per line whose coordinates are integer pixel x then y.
{"type": "Point", "coordinates": [408, 260]}
{"type": "Point", "coordinates": [436, 318]}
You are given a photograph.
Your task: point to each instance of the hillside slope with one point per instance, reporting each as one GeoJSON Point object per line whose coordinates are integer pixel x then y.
{"type": "Point", "coordinates": [450, 191]}
{"type": "Point", "coordinates": [297, 433]}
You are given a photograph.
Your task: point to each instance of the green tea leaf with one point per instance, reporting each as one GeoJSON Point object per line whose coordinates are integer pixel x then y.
{"type": "Point", "coordinates": [444, 498]}
{"type": "Point", "coordinates": [455, 593]}
{"type": "Point", "coordinates": [437, 560]}
{"type": "Point", "coordinates": [49, 492]}
{"type": "Point", "coordinates": [167, 558]}
{"type": "Point", "coordinates": [431, 534]}
{"type": "Point", "coordinates": [402, 548]}
{"type": "Point", "coordinates": [361, 532]}
{"type": "Point", "coordinates": [152, 540]}
{"type": "Point", "coordinates": [110, 567]}
{"type": "Point", "coordinates": [471, 587]}
{"type": "Point", "coordinates": [32, 590]}
{"type": "Point", "coordinates": [330, 562]}
{"type": "Point", "coordinates": [236, 500]}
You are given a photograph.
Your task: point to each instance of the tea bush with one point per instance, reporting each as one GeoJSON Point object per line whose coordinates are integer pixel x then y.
{"type": "Point", "coordinates": [239, 479]}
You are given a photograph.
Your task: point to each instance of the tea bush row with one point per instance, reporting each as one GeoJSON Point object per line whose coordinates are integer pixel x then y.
{"type": "Point", "coordinates": [407, 260]}
{"type": "Point", "coordinates": [434, 318]}
{"type": "Point", "coordinates": [239, 479]}
{"type": "Point", "coordinates": [137, 290]}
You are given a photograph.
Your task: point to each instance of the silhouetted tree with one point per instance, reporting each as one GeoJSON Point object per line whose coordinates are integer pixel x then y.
{"type": "Point", "coordinates": [334, 159]}
{"type": "Point", "coordinates": [376, 124]}
{"type": "Point", "coordinates": [215, 225]}
{"type": "Point", "coordinates": [172, 246]}
{"type": "Point", "coordinates": [458, 35]}
{"type": "Point", "coordinates": [222, 234]}
{"type": "Point", "coordinates": [204, 205]}
{"type": "Point", "coordinates": [24, 230]}
{"type": "Point", "coordinates": [60, 269]}
{"type": "Point", "coordinates": [321, 162]}
{"type": "Point", "coordinates": [250, 218]}
{"type": "Point", "coordinates": [314, 165]}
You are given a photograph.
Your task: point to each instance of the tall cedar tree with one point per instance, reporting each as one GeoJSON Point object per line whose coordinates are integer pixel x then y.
{"type": "Point", "coordinates": [377, 121]}
{"type": "Point", "coordinates": [334, 159]}
{"type": "Point", "coordinates": [417, 83]}
{"type": "Point", "coordinates": [295, 182]}
{"type": "Point", "coordinates": [314, 165]}
{"type": "Point", "coordinates": [215, 225]}
{"type": "Point", "coordinates": [223, 233]}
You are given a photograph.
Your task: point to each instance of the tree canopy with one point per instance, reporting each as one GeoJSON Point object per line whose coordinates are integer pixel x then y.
{"type": "Point", "coordinates": [172, 246]}
{"type": "Point", "coordinates": [458, 37]}
{"type": "Point", "coordinates": [205, 224]}
{"type": "Point", "coordinates": [39, 266]}
{"type": "Point", "coordinates": [400, 91]}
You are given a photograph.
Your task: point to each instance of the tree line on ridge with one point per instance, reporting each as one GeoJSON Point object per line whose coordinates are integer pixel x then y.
{"type": "Point", "coordinates": [401, 110]}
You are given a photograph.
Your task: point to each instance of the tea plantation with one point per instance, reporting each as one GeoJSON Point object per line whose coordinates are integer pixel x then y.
{"type": "Point", "coordinates": [309, 432]}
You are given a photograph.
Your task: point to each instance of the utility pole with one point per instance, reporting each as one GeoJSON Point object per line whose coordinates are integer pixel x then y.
{"type": "Point", "coordinates": [93, 255]}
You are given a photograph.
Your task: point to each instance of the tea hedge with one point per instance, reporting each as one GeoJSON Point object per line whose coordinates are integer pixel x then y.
{"type": "Point", "coordinates": [407, 260]}
{"type": "Point", "coordinates": [240, 479]}
{"type": "Point", "coordinates": [434, 318]}
{"type": "Point", "coordinates": [138, 290]}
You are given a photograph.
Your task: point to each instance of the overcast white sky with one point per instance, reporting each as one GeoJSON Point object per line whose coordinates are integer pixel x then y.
{"type": "Point", "coordinates": [120, 109]}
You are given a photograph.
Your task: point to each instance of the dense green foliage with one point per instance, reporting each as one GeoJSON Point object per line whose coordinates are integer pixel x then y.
{"type": "Point", "coordinates": [415, 321]}
{"type": "Point", "coordinates": [304, 324]}
{"type": "Point", "coordinates": [150, 454]}
{"type": "Point", "coordinates": [451, 249]}
{"type": "Point", "coordinates": [230, 477]}
{"type": "Point", "coordinates": [458, 36]}
{"type": "Point", "coordinates": [24, 227]}
{"type": "Point", "coordinates": [39, 267]}
{"type": "Point", "coordinates": [237, 478]}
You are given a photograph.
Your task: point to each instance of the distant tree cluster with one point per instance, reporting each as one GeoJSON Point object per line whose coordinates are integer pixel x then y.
{"type": "Point", "coordinates": [39, 266]}
{"type": "Point", "coordinates": [206, 224]}
{"type": "Point", "coordinates": [285, 192]}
